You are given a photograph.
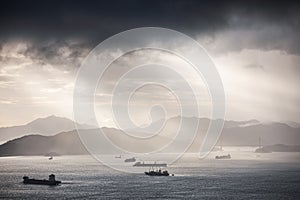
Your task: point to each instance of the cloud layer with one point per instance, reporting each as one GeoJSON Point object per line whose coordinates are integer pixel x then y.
{"type": "Point", "coordinates": [255, 45]}
{"type": "Point", "coordinates": [236, 24]}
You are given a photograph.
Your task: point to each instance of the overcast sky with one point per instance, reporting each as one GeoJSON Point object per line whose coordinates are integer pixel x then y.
{"type": "Point", "coordinates": [255, 46]}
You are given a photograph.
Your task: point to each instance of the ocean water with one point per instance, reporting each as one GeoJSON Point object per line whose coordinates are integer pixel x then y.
{"type": "Point", "coordinates": [246, 176]}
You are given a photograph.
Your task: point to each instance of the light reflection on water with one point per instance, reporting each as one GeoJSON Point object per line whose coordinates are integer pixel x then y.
{"type": "Point", "coordinates": [247, 175]}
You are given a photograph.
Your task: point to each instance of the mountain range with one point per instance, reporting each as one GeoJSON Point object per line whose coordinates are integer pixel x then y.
{"type": "Point", "coordinates": [47, 126]}
{"type": "Point", "coordinates": [57, 134]}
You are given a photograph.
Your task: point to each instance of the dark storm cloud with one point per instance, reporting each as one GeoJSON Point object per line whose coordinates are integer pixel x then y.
{"type": "Point", "coordinates": [63, 54]}
{"type": "Point", "coordinates": [93, 21]}
{"type": "Point", "coordinates": [96, 20]}
{"type": "Point", "coordinates": [57, 53]}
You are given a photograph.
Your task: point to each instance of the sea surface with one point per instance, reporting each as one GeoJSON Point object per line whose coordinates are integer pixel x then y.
{"type": "Point", "coordinates": [246, 176]}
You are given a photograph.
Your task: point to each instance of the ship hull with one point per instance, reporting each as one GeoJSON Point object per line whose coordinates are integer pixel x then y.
{"type": "Point", "coordinates": [139, 164]}
{"type": "Point", "coordinates": [223, 157]}
{"type": "Point", "coordinates": [156, 174]}
{"type": "Point", "coordinates": [41, 182]}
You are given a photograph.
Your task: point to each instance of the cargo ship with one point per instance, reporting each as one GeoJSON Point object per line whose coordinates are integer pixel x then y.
{"type": "Point", "coordinates": [130, 159]}
{"type": "Point", "coordinates": [142, 164]}
{"type": "Point", "coordinates": [228, 156]}
{"type": "Point", "coordinates": [158, 173]}
{"type": "Point", "coordinates": [50, 181]}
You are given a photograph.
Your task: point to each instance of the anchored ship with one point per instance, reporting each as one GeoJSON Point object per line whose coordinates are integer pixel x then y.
{"type": "Point", "coordinates": [224, 157]}
{"type": "Point", "coordinates": [130, 159]}
{"type": "Point", "coordinates": [157, 173]}
{"type": "Point", "coordinates": [142, 164]}
{"type": "Point", "coordinates": [50, 181]}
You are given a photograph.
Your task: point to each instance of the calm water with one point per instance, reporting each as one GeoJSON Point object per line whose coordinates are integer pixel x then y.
{"type": "Point", "coordinates": [246, 176]}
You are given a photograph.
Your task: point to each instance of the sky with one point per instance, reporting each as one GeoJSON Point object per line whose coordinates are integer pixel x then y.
{"type": "Point", "coordinates": [255, 46]}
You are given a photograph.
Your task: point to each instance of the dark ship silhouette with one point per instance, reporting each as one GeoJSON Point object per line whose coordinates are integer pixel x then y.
{"type": "Point", "coordinates": [158, 173]}
{"type": "Point", "coordinates": [50, 181]}
{"type": "Point", "coordinates": [228, 156]}
{"type": "Point", "coordinates": [130, 159]}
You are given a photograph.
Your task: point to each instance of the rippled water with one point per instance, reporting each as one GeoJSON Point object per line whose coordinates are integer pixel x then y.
{"type": "Point", "coordinates": [246, 176]}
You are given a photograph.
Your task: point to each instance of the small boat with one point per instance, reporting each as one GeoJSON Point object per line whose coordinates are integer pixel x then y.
{"type": "Point", "coordinates": [158, 173]}
{"type": "Point", "coordinates": [130, 159]}
{"type": "Point", "coordinates": [118, 156]}
{"type": "Point", "coordinates": [51, 158]}
{"type": "Point", "coordinates": [50, 181]}
{"type": "Point", "coordinates": [224, 157]}
{"type": "Point", "coordinates": [142, 164]}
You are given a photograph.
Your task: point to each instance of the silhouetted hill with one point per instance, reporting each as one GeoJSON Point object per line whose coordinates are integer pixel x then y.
{"type": "Point", "coordinates": [44, 126]}
{"type": "Point", "coordinates": [66, 143]}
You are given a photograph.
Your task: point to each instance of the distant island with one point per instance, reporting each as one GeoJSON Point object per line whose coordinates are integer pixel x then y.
{"type": "Point", "coordinates": [66, 143]}
{"type": "Point", "coordinates": [46, 126]}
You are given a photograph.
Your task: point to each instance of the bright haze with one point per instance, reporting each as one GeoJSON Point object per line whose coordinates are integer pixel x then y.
{"type": "Point", "coordinates": [255, 46]}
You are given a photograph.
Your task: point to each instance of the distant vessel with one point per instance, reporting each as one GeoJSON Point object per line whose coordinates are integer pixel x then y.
{"type": "Point", "coordinates": [142, 164]}
{"type": "Point", "coordinates": [50, 181]}
{"type": "Point", "coordinates": [51, 158]}
{"type": "Point", "coordinates": [260, 148]}
{"type": "Point", "coordinates": [118, 156]}
{"type": "Point", "coordinates": [228, 156]}
{"type": "Point", "coordinates": [158, 173]}
{"type": "Point", "coordinates": [130, 159]}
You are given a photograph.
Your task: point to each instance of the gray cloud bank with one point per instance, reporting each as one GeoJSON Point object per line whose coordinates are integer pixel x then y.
{"type": "Point", "coordinates": [266, 25]}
